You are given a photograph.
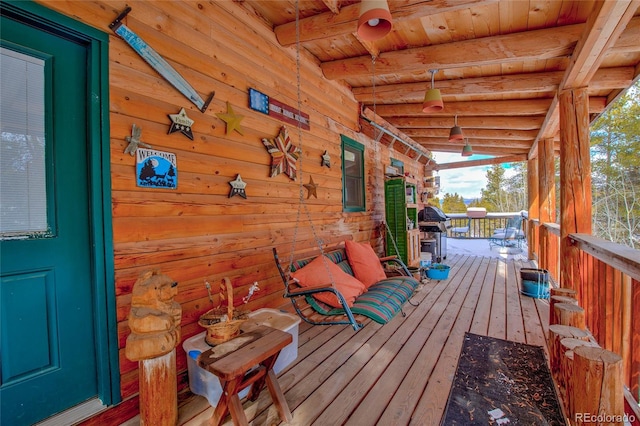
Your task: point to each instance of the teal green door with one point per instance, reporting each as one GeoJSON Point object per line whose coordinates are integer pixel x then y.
{"type": "Point", "coordinates": [47, 328]}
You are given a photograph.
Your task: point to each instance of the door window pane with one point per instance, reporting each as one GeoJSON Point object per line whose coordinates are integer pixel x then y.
{"type": "Point", "coordinates": [23, 196]}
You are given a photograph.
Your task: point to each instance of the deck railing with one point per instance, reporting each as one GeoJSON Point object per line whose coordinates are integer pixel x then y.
{"type": "Point", "coordinates": [609, 292]}
{"type": "Point", "coordinates": [478, 227]}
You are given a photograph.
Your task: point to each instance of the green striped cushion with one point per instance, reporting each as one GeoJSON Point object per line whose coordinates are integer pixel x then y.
{"type": "Point", "coordinates": [381, 302]}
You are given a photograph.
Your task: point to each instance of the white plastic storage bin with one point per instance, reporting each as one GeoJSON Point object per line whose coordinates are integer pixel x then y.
{"type": "Point", "coordinates": [204, 383]}
{"type": "Point", "coordinates": [285, 322]}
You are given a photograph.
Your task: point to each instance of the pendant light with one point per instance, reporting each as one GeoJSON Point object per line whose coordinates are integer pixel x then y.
{"type": "Point", "coordinates": [433, 98]}
{"type": "Point", "coordinates": [467, 150]}
{"type": "Point", "coordinates": [375, 20]}
{"type": "Point", "coordinates": [456, 132]}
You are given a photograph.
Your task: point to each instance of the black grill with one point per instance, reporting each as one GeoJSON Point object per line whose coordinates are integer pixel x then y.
{"type": "Point", "coordinates": [432, 219]}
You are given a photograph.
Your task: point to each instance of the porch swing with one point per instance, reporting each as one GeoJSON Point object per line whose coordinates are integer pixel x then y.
{"type": "Point", "coordinates": [380, 302]}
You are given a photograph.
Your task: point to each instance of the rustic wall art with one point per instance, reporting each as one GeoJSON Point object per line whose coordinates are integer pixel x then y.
{"type": "Point", "coordinates": [284, 154]}
{"type": "Point", "coordinates": [232, 119]}
{"type": "Point", "coordinates": [156, 169]}
{"type": "Point", "coordinates": [180, 122]}
{"type": "Point", "coordinates": [238, 187]}
{"type": "Point", "coordinates": [157, 62]}
{"type": "Point", "coordinates": [134, 140]}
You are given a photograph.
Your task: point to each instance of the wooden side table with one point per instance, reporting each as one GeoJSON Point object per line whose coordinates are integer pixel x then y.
{"type": "Point", "coordinates": [243, 361]}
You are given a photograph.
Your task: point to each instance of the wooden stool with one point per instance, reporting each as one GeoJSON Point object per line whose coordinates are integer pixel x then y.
{"type": "Point", "coordinates": [244, 361]}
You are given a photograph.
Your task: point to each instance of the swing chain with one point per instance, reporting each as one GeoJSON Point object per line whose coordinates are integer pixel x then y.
{"type": "Point", "coordinates": [301, 201]}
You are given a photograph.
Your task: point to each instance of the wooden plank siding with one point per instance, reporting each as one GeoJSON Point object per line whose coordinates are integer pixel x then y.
{"type": "Point", "coordinates": [399, 373]}
{"type": "Point", "coordinates": [196, 232]}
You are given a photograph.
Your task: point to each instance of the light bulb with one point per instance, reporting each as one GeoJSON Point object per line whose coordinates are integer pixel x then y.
{"type": "Point", "coordinates": [374, 22]}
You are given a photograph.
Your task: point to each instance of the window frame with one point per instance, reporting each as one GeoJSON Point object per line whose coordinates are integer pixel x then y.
{"type": "Point", "coordinates": [352, 146]}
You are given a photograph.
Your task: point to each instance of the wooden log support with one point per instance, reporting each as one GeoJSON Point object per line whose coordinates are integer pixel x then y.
{"type": "Point", "coordinates": [546, 202]}
{"type": "Point", "coordinates": [534, 211]}
{"type": "Point", "coordinates": [158, 396]}
{"type": "Point", "coordinates": [567, 292]}
{"type": "Point", "coordinates": [567, 346]}
{"type": "Point", "coordinates": [597, 387]}
{"type": "Point", "coordinates": [553, 319]}
{"type": "Point", "coordinates": [575, 180]}
{"type": "Point", "coordinates": [570, 314]}
{"type": "Point", "coordinates": [557, 332]}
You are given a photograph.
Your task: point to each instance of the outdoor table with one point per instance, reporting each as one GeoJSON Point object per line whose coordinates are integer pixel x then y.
{"type": "Point", "coordinates": [246, 360]}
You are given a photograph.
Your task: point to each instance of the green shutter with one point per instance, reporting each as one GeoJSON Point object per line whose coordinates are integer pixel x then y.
{"type": "Point", "coordinates": [396, 216]}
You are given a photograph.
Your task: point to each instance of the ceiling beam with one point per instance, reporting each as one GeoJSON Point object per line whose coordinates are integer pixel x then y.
{"type": "Point", "coordinates": [542, 82]}
{"type": "Point", "coordinates": [496, 143]}
{"type": "Point", "coordinates": [484, 150]}
{"type": "Point", "coordinates": [476, 122]}
{"type": "Point", "coordinates": [501, 49]}
{"type": "Point", "coordinates": [329, 24]}
{"type": "Point", "coordinates": [513, 108]}
{"type": "Point", "coordinates": [484, 162]}
{"type": "Point", "coordinates": [443, 134]}
{"type": "Point", "coordinates": [519, 107]}
{"type": "Point", "coordinates": [603, 28]}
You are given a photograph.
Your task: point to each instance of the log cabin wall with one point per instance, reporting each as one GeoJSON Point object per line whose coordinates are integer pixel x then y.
{"type": "Point", "coordinates": [197, 233]}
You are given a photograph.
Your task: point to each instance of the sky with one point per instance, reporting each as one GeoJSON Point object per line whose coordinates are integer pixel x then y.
{"type": "Point", "coordinates": [467, 182]}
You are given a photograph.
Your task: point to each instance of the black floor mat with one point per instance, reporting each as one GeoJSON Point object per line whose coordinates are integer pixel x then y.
{"type": "Point", "coordinates": [498, 382]}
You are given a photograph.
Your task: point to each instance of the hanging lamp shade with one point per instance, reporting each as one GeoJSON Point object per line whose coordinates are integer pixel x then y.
{"type": "Point", "coordinates": [375, 20]}
{"type": "Point", "coordinates": [467, 150]}
{"type": "Point", "coordinates": [432, 98]}
{"type": "Point", "coordinates": [432, 101]}
{"type": "Point", "coordinates": [456, 132]}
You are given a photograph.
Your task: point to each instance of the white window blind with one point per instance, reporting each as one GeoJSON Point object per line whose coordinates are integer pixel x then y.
{"type": "Point", "coordinates": [23, 186]}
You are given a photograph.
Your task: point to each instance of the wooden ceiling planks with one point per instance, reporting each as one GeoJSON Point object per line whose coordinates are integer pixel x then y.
{"type": "Point", "coordinates": [500, 63]}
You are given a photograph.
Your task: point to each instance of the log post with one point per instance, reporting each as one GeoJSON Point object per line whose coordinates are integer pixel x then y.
{"type": "Point", "coordinates": [567, 292]}
{"type": "Point", "coordinates": [532, 188]}
{"type": "Point", "coordinates": [569, 314]}
{"type": "Point", "coordinates": [154, 321]}
{"type": "Point", "coordinates": [158, 390]}
{"type": "Point", "coordinates": [567, 346]}
{"type": "Point", "coordinates": [557, 332]}
{"type": "Point", "coordinates": [597, 387]}
{"type": "Point", "coordinates": [553, 319]}
{"type": "Point", "coordinates": [546, 200]}
{"type": "Point", "coordinates": [575, 180]}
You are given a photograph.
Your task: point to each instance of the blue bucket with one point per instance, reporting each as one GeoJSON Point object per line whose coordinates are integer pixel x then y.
{"type": "Point", "coordinates": [537, 289]}
{"type": "Point", "coordinates": [438, 271]}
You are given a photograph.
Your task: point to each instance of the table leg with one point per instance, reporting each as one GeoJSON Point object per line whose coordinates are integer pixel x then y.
{"type": "Point", "coordinates": [229, 402]}
{"type": "Point", "coordinates": [278, 397]}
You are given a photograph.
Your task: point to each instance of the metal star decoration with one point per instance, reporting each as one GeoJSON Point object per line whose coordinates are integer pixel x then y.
{"type": "Point", "coordinates": [326, 160]}
{"type": "Point", "coordinates": [180, 122]}
{"type": "Point", "coordinates": [237, 187]}
{"type": "Point", "coordinates": [283, 154]}
{"type": "Point", "coordinates": [311, 188]}
{"type": "Point", "coordinates": [232, 120]}
{"type": "Point", "coordinates": [134, 140]}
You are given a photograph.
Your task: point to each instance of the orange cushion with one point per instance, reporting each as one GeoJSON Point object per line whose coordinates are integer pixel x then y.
{"type": "Point", "coordinates": [315, 273]}
{"type": "Point", "coordinates": [364, 262]}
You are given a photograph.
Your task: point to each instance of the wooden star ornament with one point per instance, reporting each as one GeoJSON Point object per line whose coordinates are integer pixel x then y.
{"type": "Point", "coordinates": [311, 188]}
{"type": "Point", "coordinates": [232, 120]}
{"type": "Point", "coordinates": [180, 122]}
{"type": "Point", "coordinates": [326, 160]}
{"type": "Point", "coordinates": [284, 154]}
{"type": "Point", "coordinates": [237, 187]}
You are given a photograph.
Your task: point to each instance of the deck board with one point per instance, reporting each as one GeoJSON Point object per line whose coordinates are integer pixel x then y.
{"type": "Point", "coordinates": [399, 373]}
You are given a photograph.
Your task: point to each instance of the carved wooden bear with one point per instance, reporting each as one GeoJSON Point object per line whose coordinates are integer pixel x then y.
{"type": "Point", "coordinates": [154, 318]}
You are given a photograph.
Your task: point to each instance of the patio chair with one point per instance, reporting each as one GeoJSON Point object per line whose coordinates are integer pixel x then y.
{"type": "Point", "coordinates": [461, 230]}
{"type": "Point", "coordinates": [511, 235]}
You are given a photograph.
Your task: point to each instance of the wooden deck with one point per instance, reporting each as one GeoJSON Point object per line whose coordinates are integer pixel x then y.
{"type": "Point", "coordinates": [399, 373]}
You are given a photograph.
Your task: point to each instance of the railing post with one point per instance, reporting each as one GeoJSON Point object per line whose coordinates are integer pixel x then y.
{"type": "Point", "coordinates": [546, 200]}
{"type": "Point", "coordinates": [534, 208]}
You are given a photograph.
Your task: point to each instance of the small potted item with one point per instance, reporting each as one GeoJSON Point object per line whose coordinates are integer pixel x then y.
{"type": "Point", "coordinates": [438, 271]}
